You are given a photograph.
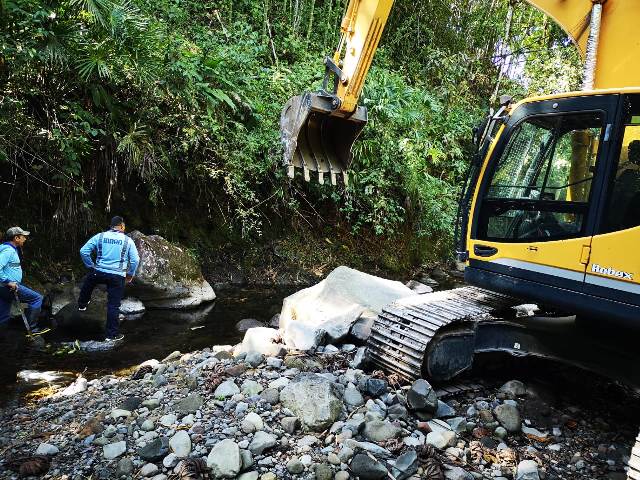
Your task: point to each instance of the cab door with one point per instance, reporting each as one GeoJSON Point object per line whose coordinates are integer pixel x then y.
{"type": "Point", "coordinates": [535, 210]}
{"type": "Point", "coordinates": [613, 271]}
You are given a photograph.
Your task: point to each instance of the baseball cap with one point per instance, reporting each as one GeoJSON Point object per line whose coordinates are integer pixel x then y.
{"type": "Point", "coordinates": [13, 231]}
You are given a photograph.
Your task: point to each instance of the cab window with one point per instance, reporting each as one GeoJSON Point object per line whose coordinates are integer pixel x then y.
{"type": "Point", "coordinates": [540, 187]}
{"type": "Point", "coordinates": [623, 210]}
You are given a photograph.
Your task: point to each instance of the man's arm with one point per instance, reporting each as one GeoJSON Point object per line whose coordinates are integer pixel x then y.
{"type": "Point", "coordinates": [86, 251]}
{"type": "Point", "coordinates": [134, 261]}
{"type": "Point", "coordinates": [5, 256]}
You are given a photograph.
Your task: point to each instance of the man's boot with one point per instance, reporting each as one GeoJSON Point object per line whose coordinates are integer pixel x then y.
{"type": "Point", "coordinates": [32, 319]}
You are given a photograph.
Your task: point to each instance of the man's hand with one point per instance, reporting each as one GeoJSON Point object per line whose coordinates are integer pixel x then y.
{"type": "Point", "coordinates": [128, 279]}
{"type": "Point", "coordinates": [13, 286]}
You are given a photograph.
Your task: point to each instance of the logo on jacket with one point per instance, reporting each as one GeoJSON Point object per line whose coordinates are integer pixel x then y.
{"type": "Point", "coordinates": [611, 272]}
{"type": "Point", "coordinates": [113, 241]}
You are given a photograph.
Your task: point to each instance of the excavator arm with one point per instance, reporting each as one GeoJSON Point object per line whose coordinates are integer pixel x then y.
{"type": "Point", "coordinates": [318, 129]}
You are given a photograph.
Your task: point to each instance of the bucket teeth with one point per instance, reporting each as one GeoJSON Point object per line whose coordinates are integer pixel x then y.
{"type": "Point", "coordinates": [314, 138]}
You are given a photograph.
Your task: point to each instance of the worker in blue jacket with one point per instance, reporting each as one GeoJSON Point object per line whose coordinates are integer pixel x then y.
{"type": "Point", "coordinates": [11, 280]}
{"type": "Point", "coordinates": [115, 265]}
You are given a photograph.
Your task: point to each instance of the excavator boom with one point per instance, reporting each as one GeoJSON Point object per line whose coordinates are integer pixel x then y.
{"type": "Point", "coordinates": [616, 64]}
{"type": "Point", "coordinates": [318, 129]}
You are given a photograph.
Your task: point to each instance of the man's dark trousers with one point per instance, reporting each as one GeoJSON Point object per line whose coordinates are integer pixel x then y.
{"type": "Point", "coordinates": [115, 291]}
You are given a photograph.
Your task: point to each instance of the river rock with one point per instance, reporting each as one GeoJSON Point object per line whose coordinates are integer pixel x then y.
{"type": "Point", "coordinates": [250, 388]}
{"type": "Point", "coordinates": [180, 444]}
{"type": "Point", "coordinates": [155, 450]}
{"type": "Point", "coordinates": [514, 388]}
{"type": "Point", "coordinates": [361, 329]}
{"type": "Point", "coordinates": [252, 422]}
{"type": "Point", "coordinates": [254, 359]}
{"type": "Point", "coordinates": [422, 397]}
{"type": "Point", "coordinates": [381, 430]}
{"type": "Point", "coordinates": [437, 439]}
{"type": "Point", "coordinates": [125, 467]}
{"type": "Point", "coordinates": [263, 340]}
{"type": "Point", "coordinates": [527, 470]}
{"type": "Point", "coordinates": [365, 468]}
{"type": "Point", "coordinates": [332, 306]}
{"type": "Point", "coordinates": [226, 389]}
{"type": "Point", "coordinates": [168, 277]}
{"type": "Point", "coordinates": [114, 450]}
{"type": "Point", "coordinates": [148, 470]}
{"type": "Point", "coordinates": [457, 473]}
{"type": "Point", "coordinates": [262, 441]}
{"type": "Point", "coordinates": [352, 397]}
{"type": "Point", "coordinates": [47, 449]}
{"type": "Point", "coordinates": [508, 416]}
{"type": "Point", "coordinates": [406, 465]}
{"type": "Point", "coordinates": [247, 323]}
{"type": "Point", "coordinates": [224, 459]}
{"type": "Point", "coordinates": [190, 404]}
{"type": "Point", "coordinates": [419, 288]}
{"type": "Point", "coordinates": [290, 424]}
{"type": "Point", "coordinates": [132, 308]}
{"type": "Point", "coordinates": [313, 399]}
{"type": "Point", "coordinates": [295, 466]}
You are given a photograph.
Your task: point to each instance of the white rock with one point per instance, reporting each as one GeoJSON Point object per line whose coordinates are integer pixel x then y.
{"type": "Point", "coordinates": [79, 386]}
{"type": "Point", "coordinates": [226, 389]}
{"type": "Point", "coordinates": [180, 444]}
{"type": "Point", "coordinates": [262, 340]}
{"type": "Point", "coordinates": [47, 449]}
{"type": "Point", "coordinates": [224, 459]}
{"type": "Point", "coordinates": [120, 413]}
{"type": "Point", "coordinates": [148, 470]}
{"type": "Point", "coordinates": [333, 305]}
{"type": "Point", "coordinates": [437, 440]}
{"type": "Point", "coordinates": [170, 460]}
{"type": "Point", "coordinates": [527, 470]}
{"type": "Point", "coordinates": [131, 306]}
{"type": "Point", "coordinates": [168, 420]}
{"type": "Point", "coordinates": [255, 420]}
{"type": "Point", "coordinates": [114, 450]}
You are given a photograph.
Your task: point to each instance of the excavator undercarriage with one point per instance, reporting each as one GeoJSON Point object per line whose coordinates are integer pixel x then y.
{"type": "Point", "coordinates": [437, 336]}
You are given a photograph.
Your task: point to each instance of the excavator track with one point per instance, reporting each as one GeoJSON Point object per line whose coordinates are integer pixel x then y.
{"type": "Point", "coordinates": [403, 331]}
{"type": "Point", "coordinates": [634, 461]}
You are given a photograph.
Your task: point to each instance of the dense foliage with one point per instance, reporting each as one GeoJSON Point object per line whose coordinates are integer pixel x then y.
{"type": "Point", "coordinates": [176, 102]}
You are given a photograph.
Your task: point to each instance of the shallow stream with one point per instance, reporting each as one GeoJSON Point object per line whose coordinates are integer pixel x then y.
{"type": "Point", "coordinates": [24, 370]}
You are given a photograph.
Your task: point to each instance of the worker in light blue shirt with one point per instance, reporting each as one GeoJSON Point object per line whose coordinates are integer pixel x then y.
{"type": "Point", "coordinates": [11, 280]}
{"type": "Point", "coordinates": [115, 264]}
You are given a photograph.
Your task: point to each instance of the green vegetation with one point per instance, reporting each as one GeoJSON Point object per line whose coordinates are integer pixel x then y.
{"type": "Point", "coordinates": [168, 110]}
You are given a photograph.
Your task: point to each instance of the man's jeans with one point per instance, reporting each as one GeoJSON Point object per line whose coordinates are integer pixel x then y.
{"type": "Point", "coordinates": [115, 291]}
{"type": "Point", "coordinates": [26, 295]}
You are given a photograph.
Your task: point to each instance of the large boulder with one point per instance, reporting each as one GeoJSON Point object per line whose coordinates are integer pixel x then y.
{"type": "Point", "coordinates": [326, 311]}
{"type": "Point", "coordinates": [168, 277]}
{"type": "Point", "coordinates": [314, 399]}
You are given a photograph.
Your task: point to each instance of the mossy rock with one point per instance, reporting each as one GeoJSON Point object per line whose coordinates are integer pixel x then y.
{"type": "Point", "coordinates": [168, 276]}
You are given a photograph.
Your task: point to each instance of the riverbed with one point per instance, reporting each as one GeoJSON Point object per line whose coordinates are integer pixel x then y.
{"type": "Point", "coordinates": [25, 370]}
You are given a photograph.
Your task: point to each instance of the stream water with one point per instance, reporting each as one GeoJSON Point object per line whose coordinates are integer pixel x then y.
{"type": "Point", "coordinates": [157, 334]}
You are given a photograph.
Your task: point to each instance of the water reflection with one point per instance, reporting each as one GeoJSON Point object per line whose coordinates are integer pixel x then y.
{"type": "Point", "coordinates": [157, 334]}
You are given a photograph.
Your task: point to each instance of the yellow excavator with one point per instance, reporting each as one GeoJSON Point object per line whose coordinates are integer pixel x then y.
{"type": "Point", "coordinates": [549, 213]}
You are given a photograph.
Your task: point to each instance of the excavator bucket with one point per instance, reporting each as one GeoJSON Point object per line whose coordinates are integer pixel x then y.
{"type": "Point", "coordinates": [314, 140]}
